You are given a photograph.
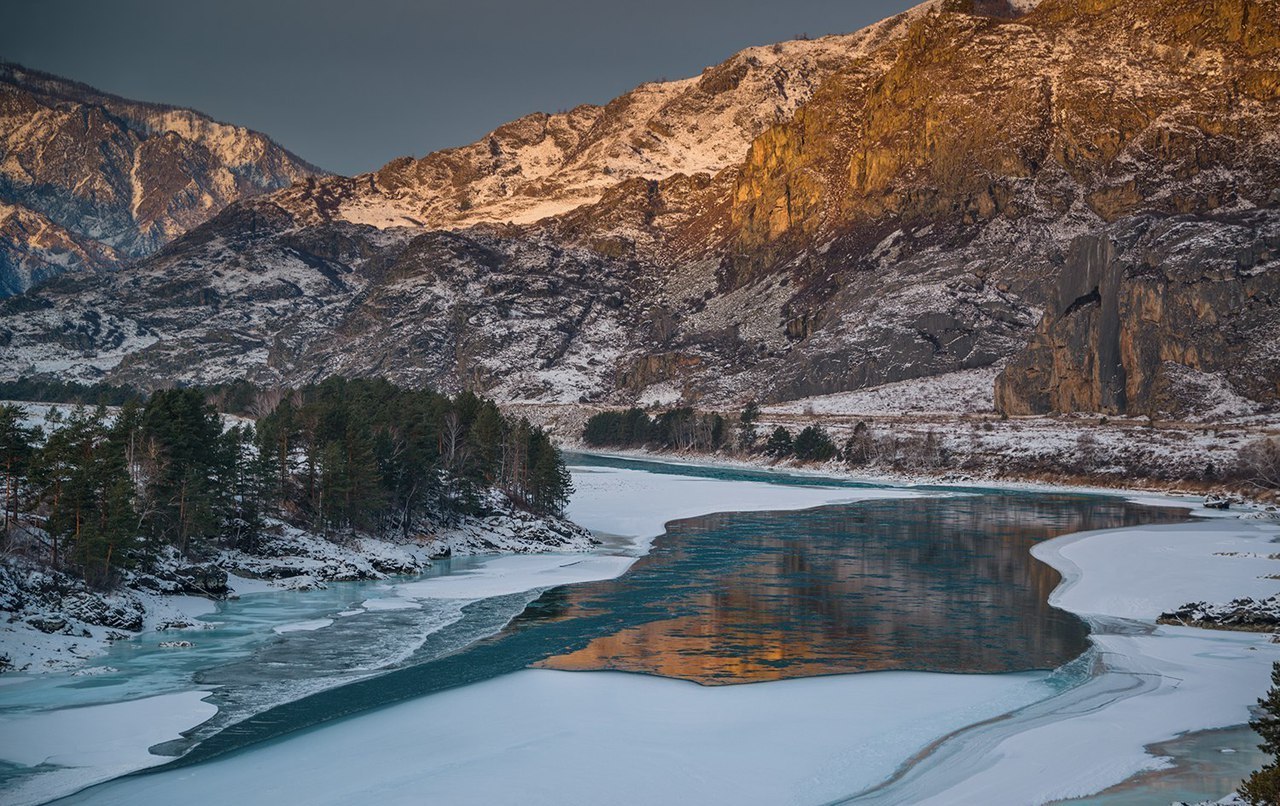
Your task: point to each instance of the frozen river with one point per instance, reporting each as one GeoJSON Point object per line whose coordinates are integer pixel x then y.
{"type": "Point", "coordinates": [493, 679]}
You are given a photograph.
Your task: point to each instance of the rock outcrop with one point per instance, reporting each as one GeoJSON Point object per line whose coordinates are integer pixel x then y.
{"type": "Point", "coordinates": [1157, 315]}
{"type": "Point", "coordinates": [1252, 615]}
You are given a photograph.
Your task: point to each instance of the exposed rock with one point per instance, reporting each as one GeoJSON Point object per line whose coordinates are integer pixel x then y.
{"type": "Point", "coordinates": [301, 582]}
{"type": "Point", "coordinates": [1221, 500]}
{"type": "Point", "coordinates": [48, 625]}
{"type": "Point", "coordinates": [204, 580]}
{"type": "Point", "coordinates": [1147, 299]}
{"type": "Point", "coordinates": [800, 220]}
{"type": "Point", "coordinates": [1241, 614]}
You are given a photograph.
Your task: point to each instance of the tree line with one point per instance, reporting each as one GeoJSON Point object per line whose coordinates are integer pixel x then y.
{"type": "Point", "coordinates": [685, 429]}
{"type": "Point", "coordinates": [109, 488]}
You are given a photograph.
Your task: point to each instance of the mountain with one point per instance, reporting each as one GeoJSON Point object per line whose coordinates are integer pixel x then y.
{"type": "Point", "coordinates": [88, 180]}
{"type": "Point", "coordinates": [938, 192]}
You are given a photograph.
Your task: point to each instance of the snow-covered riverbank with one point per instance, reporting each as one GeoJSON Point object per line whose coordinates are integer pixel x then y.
{"type": "Point", "coordinates": [57, 624]}
{"type": "Point", "coordinates": [1150, 683]}
{"type": "Point", "coordinates": [574, 737]}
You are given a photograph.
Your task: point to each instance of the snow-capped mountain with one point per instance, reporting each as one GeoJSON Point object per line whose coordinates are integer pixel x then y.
{"type": "Point", "coordinates": [88, 179]}
{"type": "Point", "coordinates": [806, 218]}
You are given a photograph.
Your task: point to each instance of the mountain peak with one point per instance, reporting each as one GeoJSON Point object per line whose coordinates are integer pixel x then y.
{"type": "Point", "coordinates": [118, 178]}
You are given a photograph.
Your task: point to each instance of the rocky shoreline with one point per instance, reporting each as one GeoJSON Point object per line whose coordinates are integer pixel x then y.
{"type": "Point", "coordinates": [1251, 615]}
{"type": "Point", "coordinates": [55, 622]}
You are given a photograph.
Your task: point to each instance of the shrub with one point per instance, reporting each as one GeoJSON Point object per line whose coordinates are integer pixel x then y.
{"type": "Point", "coordinates": [1258, 463]}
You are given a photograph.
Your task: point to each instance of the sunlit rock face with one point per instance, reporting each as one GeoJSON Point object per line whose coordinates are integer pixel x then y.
{"type": "Point", "coordinates": [88, 179]}
{"type": "Point", "coordinates": [806, 218]}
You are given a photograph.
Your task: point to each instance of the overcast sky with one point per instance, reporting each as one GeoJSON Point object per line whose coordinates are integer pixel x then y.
{"type": "Point", "coordinates": [350, 85]}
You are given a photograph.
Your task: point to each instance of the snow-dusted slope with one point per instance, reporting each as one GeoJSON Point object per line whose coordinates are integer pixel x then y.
{"type": "Point", "coordinates": [906, 202]}
{"type": "Point", "coordinates": [33, 248]}
{"type": "Point", "coordinates": [116, 178]}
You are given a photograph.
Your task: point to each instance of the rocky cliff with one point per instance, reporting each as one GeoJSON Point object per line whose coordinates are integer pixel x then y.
{"type": "Point", "coordinates": [1154, 315]}
{"type": "Point", "coordinates": [904, 201]}
{"type": "Point", "coordinates": [88, 179]}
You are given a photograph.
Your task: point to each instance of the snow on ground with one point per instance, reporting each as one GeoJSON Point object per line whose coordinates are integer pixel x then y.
{"type": "Point", "coordinates": [1158, 683]}
{"type": "Point", "coordinates": [34, 651]}
{"type": "Point", "coordinates": [970, 390]}
{"type": "Point", "coordinates": [97, 742]}
{"type": "Point", "coordinates": [1141, 572]}
{"type": "Point", "coordinates": [548, 737]}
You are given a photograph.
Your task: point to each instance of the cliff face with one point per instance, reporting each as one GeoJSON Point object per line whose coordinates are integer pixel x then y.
{"type": "Point", "coordinates": [904, 201]}
{"type": "Point", "coordinates": [115, 179]}
{"type": "Point", "coordinates": [1079, 112]}
{"type": "Point", "coordinates": [1153, 315]}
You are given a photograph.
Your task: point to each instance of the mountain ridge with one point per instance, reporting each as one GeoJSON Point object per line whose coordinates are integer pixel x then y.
{"type": "Point", "coordinates": [912, 217]}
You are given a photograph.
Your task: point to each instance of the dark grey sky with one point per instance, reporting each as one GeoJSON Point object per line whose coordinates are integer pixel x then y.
{"type": "Point", "coordinates": [350, 85]}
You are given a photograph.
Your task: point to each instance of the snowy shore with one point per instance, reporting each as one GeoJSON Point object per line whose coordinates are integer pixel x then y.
{"type": "Point", "coordinates": [57, 624]}
{"type": "Point", "coordinates": [1149, 684]}
{"type": "Point", "coordinates": [973, 444]}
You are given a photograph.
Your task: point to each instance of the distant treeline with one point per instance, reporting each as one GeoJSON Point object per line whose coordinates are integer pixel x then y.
{"type": "Point", "coordinates": [234, 397]}
{"type": "Point", "coordinates": [678, 429]}
{"type": "Point", "coordinates": [108, 489]}
{"type": "Point", "coordinates": [42, 391]}
{"type": "Point", "coordinates": [686, 429]}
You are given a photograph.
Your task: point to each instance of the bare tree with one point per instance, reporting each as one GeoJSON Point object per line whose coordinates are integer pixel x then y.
{"type": "Point", "coordinates": [453, 441]}
{"type": "Point", "coordinates": [1258, 463]}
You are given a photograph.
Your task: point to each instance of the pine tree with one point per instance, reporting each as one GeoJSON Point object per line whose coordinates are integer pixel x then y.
{"type": "Point", "coordinates": [186, 434]}
{"type": "Point", "coordinates": [814, 444]}
{"type": "Point", "coordinates": [1263, 786]}
{"type": "Point", "coordinates": [779, 443]}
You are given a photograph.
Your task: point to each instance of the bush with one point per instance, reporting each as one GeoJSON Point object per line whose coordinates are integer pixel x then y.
{"type": "Point", "coordinates": [1258, 463]}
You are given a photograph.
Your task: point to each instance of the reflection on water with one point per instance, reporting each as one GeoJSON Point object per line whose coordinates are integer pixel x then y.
{"type": "Point", "coordinates": [938, 584]}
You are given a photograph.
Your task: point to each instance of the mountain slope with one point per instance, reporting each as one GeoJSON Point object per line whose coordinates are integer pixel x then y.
{"type": "Point", "coordinates": [117, 178]}
{"type": "Point", "coordinates": [548, 164]}
{"type": "Point", "coordinates": [913, 213]}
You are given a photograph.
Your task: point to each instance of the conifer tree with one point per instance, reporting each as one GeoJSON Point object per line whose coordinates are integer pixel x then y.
{"type": "Point", "coordinates": [1263, 786]}
{"type": "Point", "coordinates": [779, 443]}
{"type": "Point", "coordinates": [17, 447]}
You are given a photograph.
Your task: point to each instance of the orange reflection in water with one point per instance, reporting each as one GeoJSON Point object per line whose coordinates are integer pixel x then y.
{"type": "Point", "coordinates": [944, 585]}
